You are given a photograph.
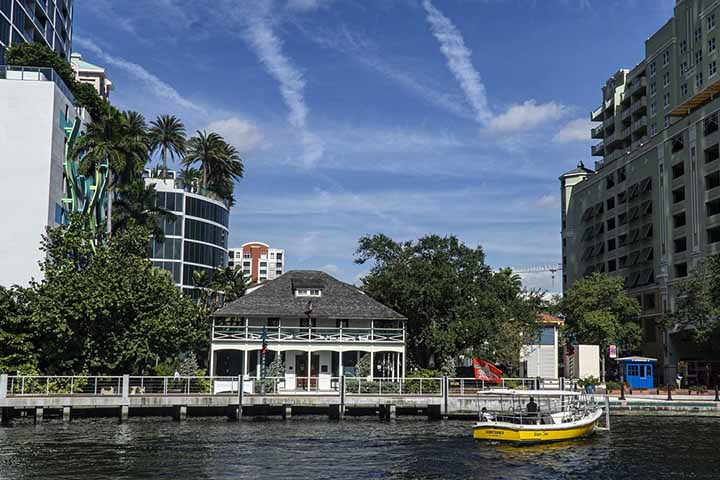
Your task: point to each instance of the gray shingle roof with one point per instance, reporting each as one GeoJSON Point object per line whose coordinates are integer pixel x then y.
{"type": "Point", "coordinates": [276, 298]}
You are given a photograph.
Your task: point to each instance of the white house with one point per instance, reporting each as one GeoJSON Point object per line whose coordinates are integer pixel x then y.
{"type": "Point", "coordinates": [320, 327]}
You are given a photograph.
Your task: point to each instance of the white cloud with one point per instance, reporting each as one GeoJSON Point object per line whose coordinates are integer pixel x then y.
{"type": "Point", "coordinates": [458, 57]}
{"type": "Point", "coordinates": [268, 47]}
{"type": "Point", "coordinates": [548, 201]}
{"type": "Point", "coordinates": [159, 87]}
{"type": "Point", "coordinates": [330, 269]}
{"type": "Point", "coordinates": [526, 116]}
{"type": "Point", "coordinates": [305, 5]}
{"type": "Point", "coordinates": [241, 133]}
{"type": "Point", "coordinates": [577, 130]}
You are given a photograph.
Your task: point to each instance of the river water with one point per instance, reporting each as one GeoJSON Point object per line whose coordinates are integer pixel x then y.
{"type": "Point", "coordinates": [314, 448]}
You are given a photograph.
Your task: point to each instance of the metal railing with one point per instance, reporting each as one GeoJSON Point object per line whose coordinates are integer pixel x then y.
{"type": "Point", "coordinates": [36, 74]}
{"type": "Point", "coordinates": [48, 386]}
{"type": "Point", "coordinates": [309, 334]}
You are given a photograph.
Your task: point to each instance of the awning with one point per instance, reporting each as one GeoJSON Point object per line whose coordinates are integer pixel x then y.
{"type": "Point", "coordinates": [696, 101]}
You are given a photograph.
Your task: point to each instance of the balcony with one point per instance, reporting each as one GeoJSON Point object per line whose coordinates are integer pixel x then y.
{"type": "Point", "coordinates": [626, 132]}
{"type": "Point", "coordinates": [639, 106]}
{"type": "Point", "coordinates": [597, 132]}
{"type": "Point", "coordinates": [626, 114]}
{"type": "Point", "coordinates": [35, 74]}
{"type": "Point", "coordinates": [637, 85]}
{"type": "Point", "coordinates": [639, 125]}
{"type": "Point", "coordinates": [597, 114]}
{"type": "Point", "coordinates": [235, 333]}
{"type": "Point", "coordinates": [598, 150]}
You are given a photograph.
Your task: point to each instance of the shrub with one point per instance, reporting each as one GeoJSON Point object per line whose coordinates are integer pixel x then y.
{"type": "Point", "coordinates": [612, 385]}
{"type": "Point", "coordinates": [589, 380]}
{"type": "Point", "coordinates": [698, 388]}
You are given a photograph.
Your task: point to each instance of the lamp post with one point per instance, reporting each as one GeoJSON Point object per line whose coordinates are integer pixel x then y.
{"type": "Point", "coordinates": [263, 354]}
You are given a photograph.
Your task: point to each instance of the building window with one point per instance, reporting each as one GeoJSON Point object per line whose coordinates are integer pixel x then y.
{"type": "Point", "coordinates": [611, 245]}
{"type": "Point", "coordinates": [678, 170]}
{"type": "Point", "coordinates": [712, 153]}
{"type": "Point", "coordinates": [678, 195]}
{"type": "Point", "coordinates": [666, 57]}
{"type": "Point", "coordinates": [622, 176]}
{"type": "Point", "coordinates": [678, 143]}
{"type": "Point", "coordinates": [610, 203]}
{"type": "Point", "coordinates": [680, 244]}
{"type": "Point", "coordinates": [263, 264]}
{"type": "Point", "coordinates": [683, 46]}
{"type": "Point", "coordinates": [273, 322]}
{"type": "Point", "coordinates": [612, 265]}
{"type": "Point", "coordinates": [653, 109]}
{"type": "Point", "coordinates": [698, 57]}
{"type": "Point", "coordinates": [653, 89]}
{"type": "Point", "coordinates": [711, 21]}
{"type": "Point", "coordinates": [712, 180]}
{"type": "Point", "coordinates": [247, 255]}
{"type": "Point", "coordinates": [698, 80]}
{"type": "Point", "coordinates": [653, 129]}
{"type": "Point", "coordinates": [652, 69]}
{"type": "Point", "coordinates": [711, 45]}
{"type": "Point", "coordinates": [698, 34]}
{"type": "Point", "coordinates": [246, 264]}
{"type": "Point", "coordinates": [679, 220]}
{"type": "Point", "coordinates": [712, 68]}
{"type": "Point", "coordinates": [713, 207]}
{"type": "Point", "coordinates": [713, 235]}
{"type": "Point", "coordinates": [683, 90]}
{"type": "Point", "coordinates": [681, 270]}
{"type": "Point", "coordinates": [342, 323]}
{"type": "Point", "coordinates": [666, 79]}
{"type": "Point", "coordinates": [611, 224]}
{"type": "Point", "coordinates": [666, 100]}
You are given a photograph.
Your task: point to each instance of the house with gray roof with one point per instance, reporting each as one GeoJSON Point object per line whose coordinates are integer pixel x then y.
{"type": "Point", "coordinates": [318, 326]}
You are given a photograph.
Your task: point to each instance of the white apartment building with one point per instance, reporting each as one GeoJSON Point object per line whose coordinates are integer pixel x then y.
{"type": "Point", "coordinates": [259, 262]}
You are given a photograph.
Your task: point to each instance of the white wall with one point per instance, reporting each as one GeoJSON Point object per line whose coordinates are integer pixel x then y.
{"type": "Point", "coordinates": [585, 362]}
{"type": "Point", "coordinates": [31, 153]}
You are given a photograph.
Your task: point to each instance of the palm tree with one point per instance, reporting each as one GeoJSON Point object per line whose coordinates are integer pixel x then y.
{"type": "Point", "coordinates": [136, 204]}
{"type": "Point", "coordinates": [190, 177]}
{"type": "Point", "coordinates": [231, 281]}
{"type": "Point", "coordinates": [167, 135]}
{"type": "Point", "coordinates": [109, 138]}
{"type": "Point", "coordinates": [220, 162]}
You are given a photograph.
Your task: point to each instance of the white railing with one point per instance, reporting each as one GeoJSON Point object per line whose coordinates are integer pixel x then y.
{"type": "Point", "coordinates": [308, 334]}
{"type": "Point", "coordinates": [48, 386]}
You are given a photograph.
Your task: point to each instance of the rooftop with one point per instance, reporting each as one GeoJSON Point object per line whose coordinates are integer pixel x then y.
{"type": "Point", "coordinates": [276, 298]}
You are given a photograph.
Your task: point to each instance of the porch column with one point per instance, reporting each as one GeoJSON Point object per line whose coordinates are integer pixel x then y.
{"type": "Point", "coordinates": [309, 369]}
{"type": "Point", "coordinates": [372, 364]}
{"type": "Point", "coordinates": [340, 367]}
{"type": "Point", "coordinates": [212, 360]}
{"type": "Point", "coordinates": [403, 364]}
{"type": "Point", "coordinates": [245, 363]}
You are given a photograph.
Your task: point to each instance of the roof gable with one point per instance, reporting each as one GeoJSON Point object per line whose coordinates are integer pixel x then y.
{"type": "Point", "coordinates": [276, 298]}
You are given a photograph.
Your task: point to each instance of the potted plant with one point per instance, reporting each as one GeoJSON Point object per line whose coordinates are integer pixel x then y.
{"type": "Point", "coordinates": [588, 383]}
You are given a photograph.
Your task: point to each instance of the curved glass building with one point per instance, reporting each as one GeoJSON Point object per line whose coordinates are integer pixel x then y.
{"type": "Point", "coordinates": [42, 21]}
{"type": "Point", "coordinates": [197, 239]}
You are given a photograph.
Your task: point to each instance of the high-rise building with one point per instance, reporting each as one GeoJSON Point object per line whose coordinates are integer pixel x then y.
{"type": "Point", "coordinates": [36, 110]}
{"type": "Point", "coordinates": [41, 21]}
{"type": "Point", "coordinates": [196, 239]}
{"type": "Point", "coordinates": [258, 260]}
{"type": "Point", "coordinates": [86, 72]}
{"type": "Point", "coordinates": [651, 208]}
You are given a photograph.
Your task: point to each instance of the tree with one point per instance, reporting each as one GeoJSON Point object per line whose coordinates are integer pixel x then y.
{"type": "Point", "coordinates": [136, 205]}
{"type": "Point", "coordinates": [598, 311]}
{"type": "Point", "coordinates": [697, 301]}
{"type": "Point", "coordinates": [111, 139]}
{"type": "Point", "coordinates": [220, 163]}
{"type": "Point", "coordinates": [16, 348]}
{"type": "Point", "coordinates": [108, 310]}
{"type": "Point", "coordinates": [167, 136]}
{"type": "Point", "coordinates": [190, 178]}
{"type": "Point", "coordinates": [231, 282]}
{"type": "Point", "coordinates": [454, 303]}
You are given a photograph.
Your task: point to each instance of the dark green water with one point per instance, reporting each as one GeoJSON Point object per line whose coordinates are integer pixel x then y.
{"type": "Point", "coordinates": [315, 448]}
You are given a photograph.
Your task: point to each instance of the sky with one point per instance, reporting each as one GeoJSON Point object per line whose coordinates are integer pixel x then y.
{"type": "Point", "coordinates": [402, 117]}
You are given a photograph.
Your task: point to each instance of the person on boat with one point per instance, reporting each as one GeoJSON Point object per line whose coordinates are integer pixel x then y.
{"type": "Point", "coordinates": [485, 416]}
{"type": "Point", "coordinates": [532, 406]}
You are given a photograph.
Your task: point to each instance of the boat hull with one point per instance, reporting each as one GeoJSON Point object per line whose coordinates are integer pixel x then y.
{"type": "Point", "coordinates": [505, 432]}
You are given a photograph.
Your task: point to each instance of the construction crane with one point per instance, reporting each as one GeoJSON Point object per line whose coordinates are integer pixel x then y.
{"type": "Point", "coordinates": [541, 269]}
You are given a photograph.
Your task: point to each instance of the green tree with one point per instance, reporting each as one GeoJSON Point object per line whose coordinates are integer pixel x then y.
{"type": "Point", "coordinates": [598, 311]}
{"type": "Point", "coordinates": [697, 301]}
{"type": "Point", "coordinates": [167, 136]}
{"type": "Point", "coordinates": [16, 349]}
{"type": "Point", "coordinates": [220, 163]}
{"type": "Point", "coordinates": [231, 282]}
{"type": "Point", "coordinates": [136, 205]}
{"type": "Point", "coordinates": [108, 311]}
{"type": "Point", "coordinates": [110, 138]}
{"type": "Point", "coordinates": [454, 303]}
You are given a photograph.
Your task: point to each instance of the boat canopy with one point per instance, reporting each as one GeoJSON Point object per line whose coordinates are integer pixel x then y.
{"type": "Point", "coordinates": [530, 393]}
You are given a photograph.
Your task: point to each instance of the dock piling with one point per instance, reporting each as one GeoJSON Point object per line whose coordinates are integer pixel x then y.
{"type": "Point", "coordinates": [434, 412]}
{"type": "Point", "coordinates": [607, 413]}
{"type": "Point", "coordinates": [287, 411]}
{"type": "Point", "coordinates": [180, 414]}
{"type": "Point", "coordinates": [336, 411]}
{"type": "Point", "coordinates": [717, 393]}
{"type": "Point", "coordinates": [66, 414]}
{"type": "Point", "coordinates": [6, 415]}
{"type": "Point", "coordinates": [38, 415]}
{"type": "Point", "coordinates": [124, 413]}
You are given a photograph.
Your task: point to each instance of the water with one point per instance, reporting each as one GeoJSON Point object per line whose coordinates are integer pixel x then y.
{"type": "Point", "coordinates": [315, 448]}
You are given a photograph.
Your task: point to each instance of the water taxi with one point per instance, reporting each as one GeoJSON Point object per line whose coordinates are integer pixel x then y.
{"type": "Point", "coordinates": [536, 416]}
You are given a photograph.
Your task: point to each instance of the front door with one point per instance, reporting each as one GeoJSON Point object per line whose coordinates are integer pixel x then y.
{"type": "Point", "coordinates": [301, 371]}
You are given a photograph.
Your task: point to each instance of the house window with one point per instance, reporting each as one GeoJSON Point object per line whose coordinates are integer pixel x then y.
{"type": "Point", "coordinates": [666, 57]}
{"type": "Point", "coordinates": [666, 100]}
{"type": "Point", "coordinates": [308, 322]}
{"type": "Point", "coordinates": [711, 45]}
{"type": "Point", "coordinates": [653, 89]}
{"type": "Point", "coordinates": [308, 292]}
{"type": "Point", "coordinates": [652, 69]}
{"type": "Point", "coordinates": [698, 80]}
{"type": "Point", "coordinates": [653, 109]}
{"type": "Point", "coordinates": [698, 57]}
{"type": "Point", "coordinates": [273, 322]}
{"type": "Point", "coordinates": [678, 195]}
{"type": "Point", "coordinates": [712, 68]}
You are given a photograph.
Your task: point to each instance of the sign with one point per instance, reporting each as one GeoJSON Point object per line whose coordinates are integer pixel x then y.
{"type": "Point", "coordinates": [612, 351]}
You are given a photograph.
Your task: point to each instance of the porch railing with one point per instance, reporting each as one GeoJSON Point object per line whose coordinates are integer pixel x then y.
{"type": "Point", "coordinates": [309, 334]}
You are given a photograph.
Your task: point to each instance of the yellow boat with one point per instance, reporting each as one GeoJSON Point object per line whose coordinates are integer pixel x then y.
{"type": "Point", "coordinates": [515, 416]}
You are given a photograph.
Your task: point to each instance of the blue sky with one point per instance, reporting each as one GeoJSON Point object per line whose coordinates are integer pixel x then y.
{"type": "Point", "coordinates": [406, 117]}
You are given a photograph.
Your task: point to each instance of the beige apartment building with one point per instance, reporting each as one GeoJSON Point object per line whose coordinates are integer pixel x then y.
{"type": "Point", "coordinates": [650, 209]}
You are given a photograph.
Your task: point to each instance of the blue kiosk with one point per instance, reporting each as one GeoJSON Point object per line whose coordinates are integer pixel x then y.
{"type": "Point", "coordinates": [638, 371]}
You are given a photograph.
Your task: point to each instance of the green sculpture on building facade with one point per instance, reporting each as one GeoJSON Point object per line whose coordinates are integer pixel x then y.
{"type": "Point", "coordinates": [87, 194]}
